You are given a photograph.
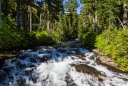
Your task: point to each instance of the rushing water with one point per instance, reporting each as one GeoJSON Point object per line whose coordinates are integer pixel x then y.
{"type": "Point", "coordinates": [58, 66]}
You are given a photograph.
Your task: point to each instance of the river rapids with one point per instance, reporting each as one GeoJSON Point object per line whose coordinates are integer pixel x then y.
{"type": "Point", "coordinates": [58, 66]}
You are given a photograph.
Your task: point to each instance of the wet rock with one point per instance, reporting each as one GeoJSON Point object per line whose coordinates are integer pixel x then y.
{"type": "Point", "coordinates": [2, 75]}
{"type": "Point", "coordinates": [89, 70]}
{"type": "Point", "coordinates": [81, 56]}
{"type": "Point", "coordinates": [106, 61]}
{"type": "Point", "coordinates": [23, 56]}
{"type": "Point", "coordinates": [34, 60]}
{"type": "Point", "coordinates": [37, 48]}
{"type": "Point", "coordinates": [21, 81]}
{"type": "Point", "coordinates": [69, 80]}
{"type": "Point", "coordinates": [92, 57]}
{"type": "Point", "coordinates": [77, 51]}
{"type": "Point", "coordinates": [61, 50]}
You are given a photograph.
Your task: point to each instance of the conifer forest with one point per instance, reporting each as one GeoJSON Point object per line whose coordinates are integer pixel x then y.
{"type": "Point", "coordinates": [100, 24]}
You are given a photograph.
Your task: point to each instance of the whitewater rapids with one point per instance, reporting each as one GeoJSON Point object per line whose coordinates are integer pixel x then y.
{"type": "Point", "coordinates": [58, 66]}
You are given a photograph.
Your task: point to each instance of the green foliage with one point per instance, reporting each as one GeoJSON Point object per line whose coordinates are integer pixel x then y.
{"type": "Point", "coordinates": [88, 39]}
{"type": "Point", "coordinates": [9, 38]}
{"type": "Point", "coordinates": [35, 26]}
{"type": "Point", "coordinates": [44, 37]}
{"type": "Point", "coordinates": [71, 5]}
{"type": "Point", "coordinates": [56, 35]}
{"type": "Point", "coordinates": [114, 43]}
{"type": "Point", "coordinates": [39, 38]}
{"type": "Point", "coordinates": [70, 26]}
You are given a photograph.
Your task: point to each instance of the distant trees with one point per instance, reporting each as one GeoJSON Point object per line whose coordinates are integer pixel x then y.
{"type": "Point", "coordinates": [104, 13]}
{"type": "Point", "coordinates": [70, 26]}
{"type": "Point", "coordinates": [24, 11]}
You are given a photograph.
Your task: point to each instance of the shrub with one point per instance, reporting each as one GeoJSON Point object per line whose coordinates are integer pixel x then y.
{"type": "Point", "coordinates": [88, 38]}
{"type": "Point", "coordinates": [9, 37]}
{"type": "Point", "coordinates": [44, 37]}
{"type": "Point", "coordinates": [114, 43]}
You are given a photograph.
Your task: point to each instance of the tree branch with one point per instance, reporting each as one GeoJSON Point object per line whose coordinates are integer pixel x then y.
{"type": "Point", "coordinates": [120, 22]}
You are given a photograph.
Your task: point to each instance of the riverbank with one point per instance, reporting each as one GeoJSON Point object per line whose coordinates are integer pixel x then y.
{"type": "Point", "coordinates": [106, 61]}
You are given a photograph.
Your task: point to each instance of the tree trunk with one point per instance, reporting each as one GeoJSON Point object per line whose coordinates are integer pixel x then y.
{"type": "Point", "coordinates": [23, 18]}
{"type": "Point", "coordinates": [40, 25]}
{"type": "Point", "coordinates": [0, 9]}
{"type": "Point", "coordinates": [29, 19]}
{"type": "Point", "coordinates": [18, 15]}
{"type": "Point", "coordinates": [96, 16]}
{"type": "Point", "coordinates": [48, 21]}
{"type": "Point", "coordinates": [125, 16]}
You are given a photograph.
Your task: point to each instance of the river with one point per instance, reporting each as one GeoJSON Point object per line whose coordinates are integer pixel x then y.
{"type": "Point", "coordinates": [58, 66]}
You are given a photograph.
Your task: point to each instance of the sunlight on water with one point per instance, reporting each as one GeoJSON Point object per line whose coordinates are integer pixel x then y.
{"type": "Point", "coordinates": [63, 66]}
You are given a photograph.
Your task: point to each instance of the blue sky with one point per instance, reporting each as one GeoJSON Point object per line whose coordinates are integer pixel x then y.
{"type": "Point", "coordinates": [79, 8]}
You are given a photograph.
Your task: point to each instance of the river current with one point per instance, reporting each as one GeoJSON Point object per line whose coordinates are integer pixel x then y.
{"type": "Point", "coordinates": [58, 66]}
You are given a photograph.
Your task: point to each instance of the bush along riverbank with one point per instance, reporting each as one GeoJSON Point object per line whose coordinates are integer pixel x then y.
{"type": "Point", "coordinates": [111, 42]}
{"type": "Point", "coordinates": [114, 43]}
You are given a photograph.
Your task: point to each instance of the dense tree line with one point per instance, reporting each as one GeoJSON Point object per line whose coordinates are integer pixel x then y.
{"type": "Point", "coordinates": [101, 24]}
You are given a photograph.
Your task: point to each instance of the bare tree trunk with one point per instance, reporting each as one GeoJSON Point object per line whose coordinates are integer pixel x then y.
{"type": "Point", "coordinates": [125, 16]}
{"type": "Point", "coordinates": [18, 15]}
{"type": "Point", "coordinates": [29, 19]}
{"type": "Point", "coordinates": [0, 9]}
{"type": "Point", "coordinates": [48, 21]}
{"type": "Point", "coordinates": [96, 16]}
{"type": "Point", "coordinates": [40, 25]}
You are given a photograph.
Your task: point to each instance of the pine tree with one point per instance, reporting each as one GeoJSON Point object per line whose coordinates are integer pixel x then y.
{"type": "Point", "coordinates": [71, 20]}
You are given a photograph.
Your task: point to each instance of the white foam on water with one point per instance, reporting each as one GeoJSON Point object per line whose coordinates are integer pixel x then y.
{"type": "Point", "coordinates": [58, 71]}
{"type": "Point", "coordinates": [52, 74]}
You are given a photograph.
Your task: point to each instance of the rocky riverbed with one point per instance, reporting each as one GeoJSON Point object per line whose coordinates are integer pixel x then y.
{"type": "Point", "coordinates": [67, 64]}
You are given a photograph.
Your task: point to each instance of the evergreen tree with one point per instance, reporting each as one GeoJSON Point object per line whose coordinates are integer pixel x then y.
{"type": "Point", "coordinates": [71, 20]}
